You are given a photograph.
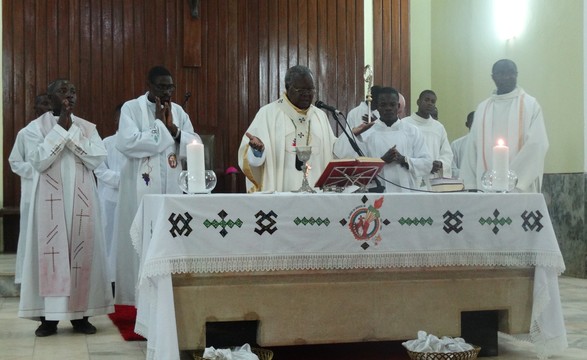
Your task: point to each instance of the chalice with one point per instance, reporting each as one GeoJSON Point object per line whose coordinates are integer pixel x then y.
{"type": "Point", "coordinates": [303, 153]}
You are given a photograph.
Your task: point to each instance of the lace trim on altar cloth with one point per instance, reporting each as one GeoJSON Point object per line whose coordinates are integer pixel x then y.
{"type": "Point", "coordinates": [245, 263]}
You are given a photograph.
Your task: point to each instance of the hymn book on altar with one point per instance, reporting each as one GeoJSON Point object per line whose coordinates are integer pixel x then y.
{"type": "Point", "coordinates": [347, 172]}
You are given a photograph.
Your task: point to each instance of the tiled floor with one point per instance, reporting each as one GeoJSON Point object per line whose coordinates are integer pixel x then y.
{"type": "Point", "coordinates": [17, 339]}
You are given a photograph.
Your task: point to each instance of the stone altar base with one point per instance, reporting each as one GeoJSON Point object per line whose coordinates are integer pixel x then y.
{"type": "Point", "coordinates": [345, 306]}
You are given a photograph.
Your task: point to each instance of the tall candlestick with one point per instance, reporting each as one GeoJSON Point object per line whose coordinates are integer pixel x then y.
{"type": "Point", "coordinates": [501, 166]}
{"type": "Point", "coordinates": [196, 168]}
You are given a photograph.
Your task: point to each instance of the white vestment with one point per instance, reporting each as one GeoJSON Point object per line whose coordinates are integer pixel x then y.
{"type": "Point", "coordinates": [281, 127]}
{"type": "Point", "coordinates": [355, 115]}
{"type": "Point", "coordinates": [152, 166]}
{"type": "Point", "coordinates": [436, 141]}
{"type": "Point", "coordinates": [108, 176]}
{"type": "Point", "coordinates": [517, 118]}
{"type": "Point", "coordinates": [81, 143]}
{"type": "Point", "coordinates": [459, 146]}
{"type": "Point", "coordinates": [409, 141]}
{"type": "Point", "coordinates": [20, 166]}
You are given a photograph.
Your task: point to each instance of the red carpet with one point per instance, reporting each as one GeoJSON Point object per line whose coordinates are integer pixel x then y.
{"type": "Point", "coordinates": [124, 317]}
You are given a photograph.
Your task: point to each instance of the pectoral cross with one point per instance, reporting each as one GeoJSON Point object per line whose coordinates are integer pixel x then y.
{"type": "Point", "coordinates": [52, 253]}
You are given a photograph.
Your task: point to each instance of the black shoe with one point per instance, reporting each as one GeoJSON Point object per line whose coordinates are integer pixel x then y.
{"type": "Point", "coordinates": [47, 328]}
{"type": "Point", "coordinates": [83, 326]}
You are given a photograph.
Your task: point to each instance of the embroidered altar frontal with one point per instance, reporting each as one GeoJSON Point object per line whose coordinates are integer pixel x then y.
{"type": "Point", "coordinates": [265, 232]}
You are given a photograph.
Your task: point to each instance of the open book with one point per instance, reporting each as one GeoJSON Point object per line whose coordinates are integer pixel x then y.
{"type": "Point", "coordinates": [347, 172]}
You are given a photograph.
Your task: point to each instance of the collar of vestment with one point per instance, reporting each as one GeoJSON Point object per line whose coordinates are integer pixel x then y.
{"type": "Point", "coordinates": [420, 120]}
{"type": "Point", "coordinates": [511, 95]}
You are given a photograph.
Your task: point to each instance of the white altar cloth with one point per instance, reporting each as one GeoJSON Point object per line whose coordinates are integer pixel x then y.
{"type": "Point", "coordinates": [238, 233]}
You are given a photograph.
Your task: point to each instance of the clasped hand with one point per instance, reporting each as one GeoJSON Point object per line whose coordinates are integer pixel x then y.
{"type": "Point", "coordinates": [163, 113]}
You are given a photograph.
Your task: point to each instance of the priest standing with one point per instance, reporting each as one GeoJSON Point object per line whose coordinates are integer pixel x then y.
{"type": "Point", "coordinates": [514, 116]}
{"type": "Point", "coordinates": [267, 153]}
{"type": "Point", "coordinates": [153, 134]}
{"type": "Point", "coordinates": [64, 275]}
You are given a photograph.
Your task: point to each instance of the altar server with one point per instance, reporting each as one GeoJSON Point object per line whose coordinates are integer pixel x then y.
{"type": "Point", "coordinates": [400, 144]}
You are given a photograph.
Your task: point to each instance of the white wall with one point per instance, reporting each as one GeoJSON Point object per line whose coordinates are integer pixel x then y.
{"type": "Point", "coordinates": [549, 53]}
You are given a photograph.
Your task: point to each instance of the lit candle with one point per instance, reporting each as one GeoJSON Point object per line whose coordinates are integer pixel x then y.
{"type": "Point", "coordinates": [501, 166]}
{"type": "Point", "coordinates": [196, 168]}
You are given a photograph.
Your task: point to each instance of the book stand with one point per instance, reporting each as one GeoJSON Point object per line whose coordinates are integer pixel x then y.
{"type": "Point", "coordinates": [340, 175]}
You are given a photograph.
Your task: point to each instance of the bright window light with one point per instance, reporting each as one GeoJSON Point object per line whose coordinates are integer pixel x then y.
{"type": "Point", "coordinates": [510, 17]}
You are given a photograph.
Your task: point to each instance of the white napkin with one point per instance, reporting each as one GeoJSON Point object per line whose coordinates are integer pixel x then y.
{"type": "Point", "coordinates": [430, 343]}
{"type": "Point", "coordinates": [240, 353]}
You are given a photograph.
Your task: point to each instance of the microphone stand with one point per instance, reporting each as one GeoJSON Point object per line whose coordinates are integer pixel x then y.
{"type": "Point", "coordinates": [363, 189]}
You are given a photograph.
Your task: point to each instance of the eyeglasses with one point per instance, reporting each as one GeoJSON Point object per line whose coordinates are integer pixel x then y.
{"type": "Point", "coordinates": [302, 91]}
{"type": "Point", "coordinates": [164, 87]}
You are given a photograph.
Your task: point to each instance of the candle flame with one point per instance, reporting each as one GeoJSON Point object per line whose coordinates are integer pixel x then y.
{"type": "Point", "coordinates": [500, 142]}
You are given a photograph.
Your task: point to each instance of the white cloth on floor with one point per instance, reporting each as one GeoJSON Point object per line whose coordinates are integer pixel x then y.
{"type": "Point", "coordinates": [240, 353]}
{"type": "Point", "coordinates": [431, 343]}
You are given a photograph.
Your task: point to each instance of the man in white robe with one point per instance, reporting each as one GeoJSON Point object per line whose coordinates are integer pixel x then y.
{"type": "Point", "coordinates": [459, 146]}
{"type": "Point", "coordinates": [267, 154]}
{"type": "Point", "coordinates": [20, 166]}
{"type": "Point", "coordinates": [516, 117]}
{"type": "Point", "coordinates": [358, 114]}
{"type": "Point", "coordinates": [434, 135]}
{"type": "Point", "coordinates": [64, 275]}
{"type": "Point", "coordinates": [108, 176]}
{"type": "Point", "coordinates": [400, 144]}
{"type": "Point", "coordinates": [153, 134]}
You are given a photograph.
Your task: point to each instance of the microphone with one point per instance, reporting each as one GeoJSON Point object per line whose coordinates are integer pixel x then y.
{"type": "Point", "coordinates": [322, 105]}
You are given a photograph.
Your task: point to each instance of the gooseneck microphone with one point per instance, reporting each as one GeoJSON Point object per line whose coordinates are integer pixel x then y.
{"type": "Point", "coordinates": [322, 105]}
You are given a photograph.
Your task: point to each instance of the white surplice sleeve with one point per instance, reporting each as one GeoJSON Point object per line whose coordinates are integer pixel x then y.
{"type": "Point", "coordinates": [90, 150]}
{"type": "Point", "coordinates": [135, 142]}
{"type": "Point", "coordinates": [445, 155]}
{"type": "Point", "coordinates": [419, 160]}
{"type": "Point", "coordinates": [44, 150]}
{"type": "Point", "coordinates": [528, 163]}
{"type": "Point", "coordinates": [17, 159]}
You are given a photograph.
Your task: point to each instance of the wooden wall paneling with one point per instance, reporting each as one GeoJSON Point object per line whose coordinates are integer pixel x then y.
{"type": "Point", "coordinates": [264, 63]}
{"type": "Point", "coordinates": [293, 28]}
{"type": "Point", "coordinates": [106, 47]}
{"type": "Point", "coordinates": [192, 38]}
{"type": "Point", "coordinates": [273, 33]}
{"type": "Point", "coordinates": [314, 23]}
{"type": "Point", "coordinates": [9, 46]}
{"type": "Point", "coordinates": [90, 90]}
{"type": "Point", "coordinates": [301, 29]}
{"type": "Point", "coordinates": [404, 49]}
{"type": "Point", "coordinates": [40, 41]}
{"type": "Point", "coordinates": [283, 61]}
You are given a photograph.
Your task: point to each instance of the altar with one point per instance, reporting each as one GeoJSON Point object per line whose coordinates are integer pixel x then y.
{"type": "Point", "coordinates": [327, 268]}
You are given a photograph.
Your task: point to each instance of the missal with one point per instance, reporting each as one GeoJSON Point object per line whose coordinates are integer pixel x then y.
{"type": "Point", "coordinates": [346, 172]}
{"type": "Point", "coordinates": [442, 184]}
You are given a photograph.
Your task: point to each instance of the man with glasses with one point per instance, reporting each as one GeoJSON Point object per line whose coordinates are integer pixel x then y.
{"type": "Point", "coordinates": [514, 116]}
{"type": "Point", "coordinates": [153, 133]}
{"type": "Point", "coordinates": [267, 154]}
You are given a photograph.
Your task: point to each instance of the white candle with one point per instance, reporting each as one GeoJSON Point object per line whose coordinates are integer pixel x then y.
{"type": "Point", "coordinates": [196, 168]}
{"type": "Point", "coordinates": [501, 166]}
